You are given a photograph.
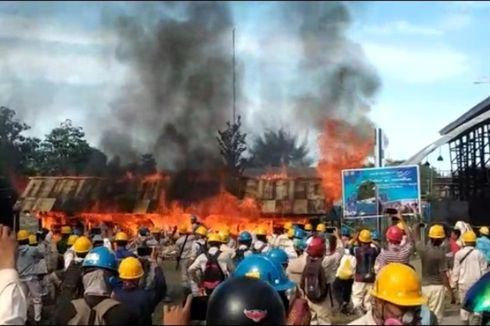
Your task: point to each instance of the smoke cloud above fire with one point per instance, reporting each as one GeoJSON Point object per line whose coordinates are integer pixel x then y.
{"type": "Point", "coordinates": [179, 89]}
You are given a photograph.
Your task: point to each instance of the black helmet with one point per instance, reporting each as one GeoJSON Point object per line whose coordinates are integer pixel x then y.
{"type": "Point", "coordinates": [245, 301]}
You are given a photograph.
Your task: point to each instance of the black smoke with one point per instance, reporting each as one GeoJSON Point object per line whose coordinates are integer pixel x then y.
{"type": "Point", "coordinates": [178, 89]}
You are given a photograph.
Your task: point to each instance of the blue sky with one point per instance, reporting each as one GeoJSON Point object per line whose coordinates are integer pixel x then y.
{"type": "Point", "coordinates": [56, 63]}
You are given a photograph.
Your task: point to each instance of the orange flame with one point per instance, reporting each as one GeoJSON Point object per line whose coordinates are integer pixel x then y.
{"type": "Point", "coordinates": [342, 146]}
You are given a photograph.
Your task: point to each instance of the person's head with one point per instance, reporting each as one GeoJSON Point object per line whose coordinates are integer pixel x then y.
{"type": "Point", "coordinates": [66, 231]}
{"type": "Point", "coordinates": [82, 246]}
{"type": "Point", "coordinates": [71, 240]}
{"type": "Point", "coordinates": [183, 229]}
{"type": "Point", "coordinates": [99, 270]}
{"type": "Point", "coordinates": [97, 240]}
{"type": "Point", "coordinates": [308, 227]}
{"type": "Point", "coordinates": [121, 239]}
{"type": "Point", "coordinates": [225, 234]}
{"type": "Point", "coordinates": [437, 234]}
{"type": "Point", "coordinates": [279, 257]}
{"type": "Point", "coordinates": [261, 234]}
{"type": "Point", "coordinates": [469, 239]}
{"type": "Point", "coordinates": [201, 232]}
{"type": "Point", "coordinates": [287, 226]}
{"type": "Point", "coordinates": [214, 240]}
{"type": "Point", "coordinates": [316, 247]}
{"type": "Point", "coordinates": [23, 237]}
{"type": "Point", "coordinates": [143, 231]}
{"type": "Point", "coordinates": [321, 228]}
{"type": "Point", "coordinates": [299, 246]}
{"type": "Point", "coordinates": [397, 295]}
{"type": "Point", "coordinates": [32, 240]}
{"type": "Point", "coordinates": [455, 234]}
{"type": "Point", "coordinates": [245, 238]}
{"type": "Point", "coordinates": [394, 235]}
{"type": "Point", "coordinates": [484, 232]}
{"type": "Point", "coordinates": [245, 301]}
{"type": "Point", "coordinates": [365, 237]}
{"type": "Point", "coordinates": [130, 272]}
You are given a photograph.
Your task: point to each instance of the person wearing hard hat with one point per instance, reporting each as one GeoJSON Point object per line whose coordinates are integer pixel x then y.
{"type": "Point", "coordinates": [142, 302]}
{"type": "Point", "coordinates": [469, 265]}
{"type": "Point", "coordinates": [69, 254]}
{"type": "Point", "coordinates": [260, 246]}
{"type": "Point", "coordinates": [183, 246]}
{"type": "Point", "coordinates": [483, 242]}
{"type": "Point", "coordinates": [225, 238]}
{"type": "Point", "coordinates": [214, 265]}
{"type": "Point", "coordinates": [364, 276]}
{"type": "Point", "coordinates": [28, 259]}
{"type": "Point", "coordinates": [321, 230]}
{"type": "Point", "coordinates": [309, 230]}
{"type": "Point", "coordinates": [121, 240]}
{"type": "Point", "coordinates": [344, 280]}
{"type": "Point", "coordinates": [41, 266]}
{"type": "Point", "coordinates": [199, 244]}
{"type": "Point", "coordinates": [434, 269]}
{"type": "Point", "coordinates": [283, 237]}
{"type": "Point", "coordinates": [62, 244]}
{"type": "Point", "coordinates": [399, 248]}
{"type": "Point", "coordinates": [397, 297]}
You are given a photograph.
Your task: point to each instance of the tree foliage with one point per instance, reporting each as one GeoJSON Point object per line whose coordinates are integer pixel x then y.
{"type": "Point", "coordinates": [276, 148]}
{"type": "Point", "coordinates": [232, 144]}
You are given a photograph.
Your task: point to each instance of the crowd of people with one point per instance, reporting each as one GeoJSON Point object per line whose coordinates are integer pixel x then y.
{"type": "Point", "coordinates": [302, 276]}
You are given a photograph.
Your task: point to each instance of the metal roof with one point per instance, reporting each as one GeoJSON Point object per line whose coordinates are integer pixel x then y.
{"type": "Point", "coordinates": [475, 111]}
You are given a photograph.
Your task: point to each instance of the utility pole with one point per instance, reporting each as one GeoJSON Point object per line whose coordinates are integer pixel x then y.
{"type": "Point", "coordinates": [234, 80]}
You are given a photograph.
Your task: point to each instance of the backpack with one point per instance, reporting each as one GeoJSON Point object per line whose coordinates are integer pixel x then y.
{"type": "Point", "coordinates": [91, 316]}
{"type": "Point", "coordinates": [213, 274]}
{"type": "Point", "coordinates": [239, 255]}
{"type": "Point", "coordinates": [313, 281]}
{"type": "Point", "coordinates": [344, 272]}
{"type": "Point", "coordinates": [72, 285]}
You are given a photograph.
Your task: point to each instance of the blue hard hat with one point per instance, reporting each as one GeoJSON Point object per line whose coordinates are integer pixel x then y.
{"type": "Point", "coordinates": [278, 256]}
{"type": "Point", "coordinates": [100, 257]}
{"type": "Point", "coordinates": [299, 233]}
{"type": "Point", "coordinates": [143, 231]}
{"type": "Point", "coordinates": [299, 244]}
{"type": "Point", "coordinates": [261, 267]}
{"type": "Point", "coordinates": [245, 236]}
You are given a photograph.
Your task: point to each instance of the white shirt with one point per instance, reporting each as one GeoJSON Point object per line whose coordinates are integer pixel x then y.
{"type": "Point", "coordinates": [13, 304]}
{"type": "Point", "coordinates": [288, 246]}
{"type": "Point", "coordinates": [224, 261]}
{"type": "Point", "coordinates": [261, 244]}
{"type": "Point", "coordinates": [68, 257]}
{"type": "Point", "coordinates": [473, 267]}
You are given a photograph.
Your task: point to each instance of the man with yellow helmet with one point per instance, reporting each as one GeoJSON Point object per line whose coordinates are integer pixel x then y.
{"type": "Point", "coordinates": [69, 254]}
{"type": "Point", "coordinates": [469, 265]}
{"type": "Point", "coordinates": [28, 259]}
{"type": "Point", "coordinates": [397, 297]}
{"type": "Point", "coordinates": [121, 240]}
{"type": "Point", "coordinates": [261, 245]}
{"type": "Point", "coordinates": [284, 237]}
{"type": "Point", "coordinates": [434, 268]}
{"type": "Point", "coordinates": [483, 242]}
{"type": "Point", "coordinates": [183, 246]}
{"type": "Point", "coordinates": [214, 266]}
{"type": "Point", "coordinates": [62, 244]}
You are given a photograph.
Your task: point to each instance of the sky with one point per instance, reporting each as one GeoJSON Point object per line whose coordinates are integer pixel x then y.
{"type": "Point", "coordinates": [57, 62]}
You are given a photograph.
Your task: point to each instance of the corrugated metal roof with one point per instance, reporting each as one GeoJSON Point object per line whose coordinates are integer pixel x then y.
{"type": "Point", "coordinates": [475, 111]}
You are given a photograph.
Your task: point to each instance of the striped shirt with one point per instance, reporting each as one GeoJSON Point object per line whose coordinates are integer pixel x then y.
{"type": "Point", "coordinates": [393, 254]}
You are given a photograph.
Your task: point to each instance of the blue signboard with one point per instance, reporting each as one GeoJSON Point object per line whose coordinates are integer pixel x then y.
{"type": "Point", "coordinates": [369, 192]}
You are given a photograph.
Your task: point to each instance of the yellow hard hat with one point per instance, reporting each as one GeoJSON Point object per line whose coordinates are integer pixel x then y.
{"type": "Point", "coordinates": [398, 284]}
{"type": "Point", "coordinates": [130, 269]}
{"type": "Point", "coordinates": [400, 226]}
{"type": "Point", "coordinates": [468, 236]}
{"type": "Point", "coordinates": [291, 233]}
{"type": "Point", "coordinates": [66, 229]}
{"type": "Point", "coordinates": [201, 230]}
{"type": "Point", "coordinates": [288, 225]}
{"type": "Point", "coordinates": [321, 227]}
{"type": "Point", "coordinates": [308, 227]}
{"type": "Point", "coordinates": [71, 239]}
{"type": "Point", "coordinates": [214, 237]}
{"type": "Point", "coordinates": [32, 239]}
{"type": "Point", "coordinates": [82, 245]}
{"type": "Point", "coordinates": [484, 230]}
{"type": "Point", "coordinates": [261, 231]}
{"type": "Point", "coordinates": [183, 229]}
{"type": "Point", "coordinates": [437, 232]}
{"type": "Point", "coordinates": [155, 230]}
{"type": "Point", "coordinates": [121, 236]}
{"type": "Point", "coordinates": [225, 235]}
{"type": "Point", "coordinates": [22, 235]}
{"type": "Point", "coordinates": [365, 236]}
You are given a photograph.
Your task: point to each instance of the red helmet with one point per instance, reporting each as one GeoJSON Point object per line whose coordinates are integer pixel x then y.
{"type": "Point", "coordinates": [316, 247]}
{"type": "Point", "coordinates": [394, 234]}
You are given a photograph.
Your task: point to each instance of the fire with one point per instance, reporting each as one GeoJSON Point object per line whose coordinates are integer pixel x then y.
{"type": "Point", "coordinates": [342, 146]}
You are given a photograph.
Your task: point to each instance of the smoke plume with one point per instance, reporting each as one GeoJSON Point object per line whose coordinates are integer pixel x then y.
{"type": "Point", "coordinates": [178, 90]}
{"type": "Point", "coordinates": [339, 80]}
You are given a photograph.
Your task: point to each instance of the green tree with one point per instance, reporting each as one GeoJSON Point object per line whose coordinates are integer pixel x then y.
{"type": "Point", "coordinates": [232, 145]}
{"type": "Point", "coordinates": [18, 154]}
{"type": "Point", "coordinates": [279, 148]}
{"type": "Point", "coordinates": [65, 150]}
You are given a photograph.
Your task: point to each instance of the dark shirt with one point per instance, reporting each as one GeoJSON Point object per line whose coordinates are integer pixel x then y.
{"type": "Point", "coordinates": [365, 258]}
{"type": "Point", "coordinates": [117, 315]}
{"type": "Point", "coordinates": [433, 261]}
